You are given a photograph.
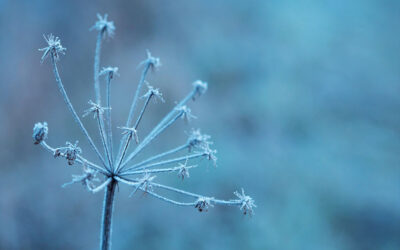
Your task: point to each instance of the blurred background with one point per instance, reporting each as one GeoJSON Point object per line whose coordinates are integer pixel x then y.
{"type": "Point", "coordinates": [303, 106]}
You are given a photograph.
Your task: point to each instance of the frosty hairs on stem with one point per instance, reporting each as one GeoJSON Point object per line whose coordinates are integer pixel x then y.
{"type": "Point", "coordinates": [114, 166]}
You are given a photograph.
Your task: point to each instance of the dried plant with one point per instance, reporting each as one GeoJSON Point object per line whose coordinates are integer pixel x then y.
{"type": "Point", "coordinates": [116, 168]}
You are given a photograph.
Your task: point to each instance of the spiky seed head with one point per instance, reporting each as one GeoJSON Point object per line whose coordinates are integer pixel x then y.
{"type": "Point", "coordinates": [186, 113]}
{"type": "Point", "coordinates": [54, 48]}
{"type": "Point", "coordinates": [211, 155]}
{"type": "Point", "coordinates": [131, 132]}
{"type": "Point", "coordinates": [203, 203]}
{"type": "Point", "coordinates": [198, 140]}
{"type": "Point", "coordinates": [109, 72]}
{"type": "Point", "coordinates": [95, 108]}
{"type": "Point", "coordinates": [40, 131]}
{"type": "Point", "coordinates": [104, 26]}
{"type": "Point", "coordinates": [151, 91]}
{"type": "Point", "coordinates": [246, 203]}
{"type": "Point", "coordinates": [200, 88]}
{"type": "Point", "coordinates": [151, 62]}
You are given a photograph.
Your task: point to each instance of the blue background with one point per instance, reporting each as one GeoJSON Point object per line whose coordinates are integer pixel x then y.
{"type": "Point", "coordinates": [303, 106]}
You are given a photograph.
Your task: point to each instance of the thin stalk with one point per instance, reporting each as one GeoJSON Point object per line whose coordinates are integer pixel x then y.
{"type": "Point", "coordinates": [103, 137]}
{"type": "Point", "coordinates": [97, 67]}
{"type": "Point", "coordinates": [149, 138]}
{"type": "Point", "coordinates": [98, 94]}
{"type": "Point", "coordinates": [72, 110]}
{"type": "Point", "coordinates": [161, 163]}
{"type": "Point", "coordinates": [79, 159]}
{"type": "Point", "coordinates": [156, 157]}
{"type": "Point", "coordinates": [129, 138]}
{"type": "Point", "coordinates": [108, 205]}
{"type": "Point", "coordinates": [109, 128]}
{"type": "Point", "coordinates": [160, 125]}
{"type": "Point", "coordinates": [174, 110]}
{"type": "Point", "coordinates": [132, 109]}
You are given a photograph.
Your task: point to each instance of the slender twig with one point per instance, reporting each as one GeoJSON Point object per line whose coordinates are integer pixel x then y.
{"type": "Point", "coordinates": [156, 157]}
{"type": "Point", "coordinates": [161, 163]}
{"type": "Point", "coordinates": [72, 110]}
{"type": "Point", "coordinates": [154, 171]}
{"type": "Point", "coordinates": [101, 186]}
{"type": "Point", "coordinates": [103, 138]}
{"type": "Point", "coordinates": [125, 139]}
{"type": "Point", "coordinates": [148, 139]}
{"type": "Point", "coordinates": [109, 128]}
{"type": "Point", "coordinates": [79, 159]}
{"type": "Point", "coordinates": [130, 136]}
{"type": "Point", "coordinates": [97, 67]}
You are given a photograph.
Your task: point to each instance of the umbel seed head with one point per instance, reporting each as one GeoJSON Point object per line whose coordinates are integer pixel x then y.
{"type": "Point", "coordinates": [40, 131]}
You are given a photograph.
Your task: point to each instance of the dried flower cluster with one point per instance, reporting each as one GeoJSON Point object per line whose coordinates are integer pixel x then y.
{"type": "Point", "coordinates": [115, 165]}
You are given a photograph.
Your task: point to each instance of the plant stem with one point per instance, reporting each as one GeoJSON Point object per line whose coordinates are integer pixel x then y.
{"type": "Point", "coordinates": [72, 110]}
{"type": "Point", "coordinates": [106, 223]}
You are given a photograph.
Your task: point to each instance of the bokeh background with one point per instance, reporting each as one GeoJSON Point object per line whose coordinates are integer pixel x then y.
{"type": "Point", "coordinates": [303, 106]}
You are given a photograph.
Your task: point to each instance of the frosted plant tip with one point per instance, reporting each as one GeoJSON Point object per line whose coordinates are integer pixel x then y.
{"type": "Point", "coordinates": [200, 87]}
{"type": "Point", "coordinates": [198, 140]}
{"type": "Point", "coordinates": [203, 203]}
{"type": "Point", "coordinates": [104, 26]}
{"type": "Point", "coordinates": [109, 72]}
{"type": "Point", "coordinates": [40, 131]}
{"type": "Point", "coordinates": [54, 48]}
{"type": "Point", "coordinates": [150, 61]}
{"type": "Point", "coordinates": [246, 203]}
{"type": "Point", "coordinates": [153, 92]}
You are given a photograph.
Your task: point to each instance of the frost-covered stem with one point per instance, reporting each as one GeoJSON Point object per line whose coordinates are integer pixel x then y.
{"type": "Point", "coordinates": [97, 67]}
{"type": "Point", "coordinates": [178, 203]}
{"type": "Point", "coordinates": [160, 126]}
{"type": "Point", "coordinates": [98, 94]}
{"type": "Point", "coordinates": [172, 151]}
{"type": "Point", "coordinates": [129, 138]}
{"type": "Point", "coordinates": [124, 139]}
{"type": "Point", "coordinates": [149, 138]}
{"type": "Point", "coordinates": [153, 171]}
{"type": "Point", "coordinates": [142, 111]}
{"type": "Point", "coordinates": [72, 110]}
{"type": "Point", "coordinates": [103, 137]}
{"type": "Point", "coordinates": [136, 97]}
{"type": "Point", "coordinates": [79, 159]}
{"type": "Point", "coordinates": [179, 191]}
{"type": "Point", "coordinates": [105, 237]}
{"type": "Point", "coordinates": [103, 185]}
{"type": "Point", "coordinates": [174, 110]}
{"type": "Point", "coordinates": [109, 128]}
{"type": "Point", "coordinates": [161, 163]}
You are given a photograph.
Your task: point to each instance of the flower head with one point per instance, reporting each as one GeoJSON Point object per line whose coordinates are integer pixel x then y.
{"type": "Point", "coordinates": [151, 91]}
{"type": "Point", "coordinates": [104, 26]}
{"type": "Point", "coordinates": [96, 109]}
{"type": "Point", "coordinates": [87, 178]}
{"type": "Point", "coordinates": [40, 131]}
{"type": "Point", "coordinates": [150, 61]}
{"type": "Point", "coordinates": [200, 88]}
{"type": "Point", "coordinates": [246, 203]}
{"type": "Point", "coordinates": [210, 154]}
{"type": "Point", "coordinates": [109, 72]}
{"type": "Point", "coordinates": [70, 152]}
{"type": "Point", "coordinates": [198, 140]}
{"type": "Point", "coordinates": [186, 113]}
{"type": "Point", "coordinates": [203, 203]}
{"type": "Point", "coordinates": [183, 170]}
{"type": "Point", "coordinates": [131, 132]}
{"type": "Point", "coordinates": [54, 48]}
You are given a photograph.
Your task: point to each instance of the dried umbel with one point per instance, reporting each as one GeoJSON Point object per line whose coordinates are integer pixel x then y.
{"type": "Point", "coordinates": [40, 131]}
{"type": "Point", "coordinates": [116, 165]}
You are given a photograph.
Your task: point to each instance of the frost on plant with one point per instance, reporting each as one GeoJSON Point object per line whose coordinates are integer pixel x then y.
{"type": "Point", "coordinates": [116, 164]}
